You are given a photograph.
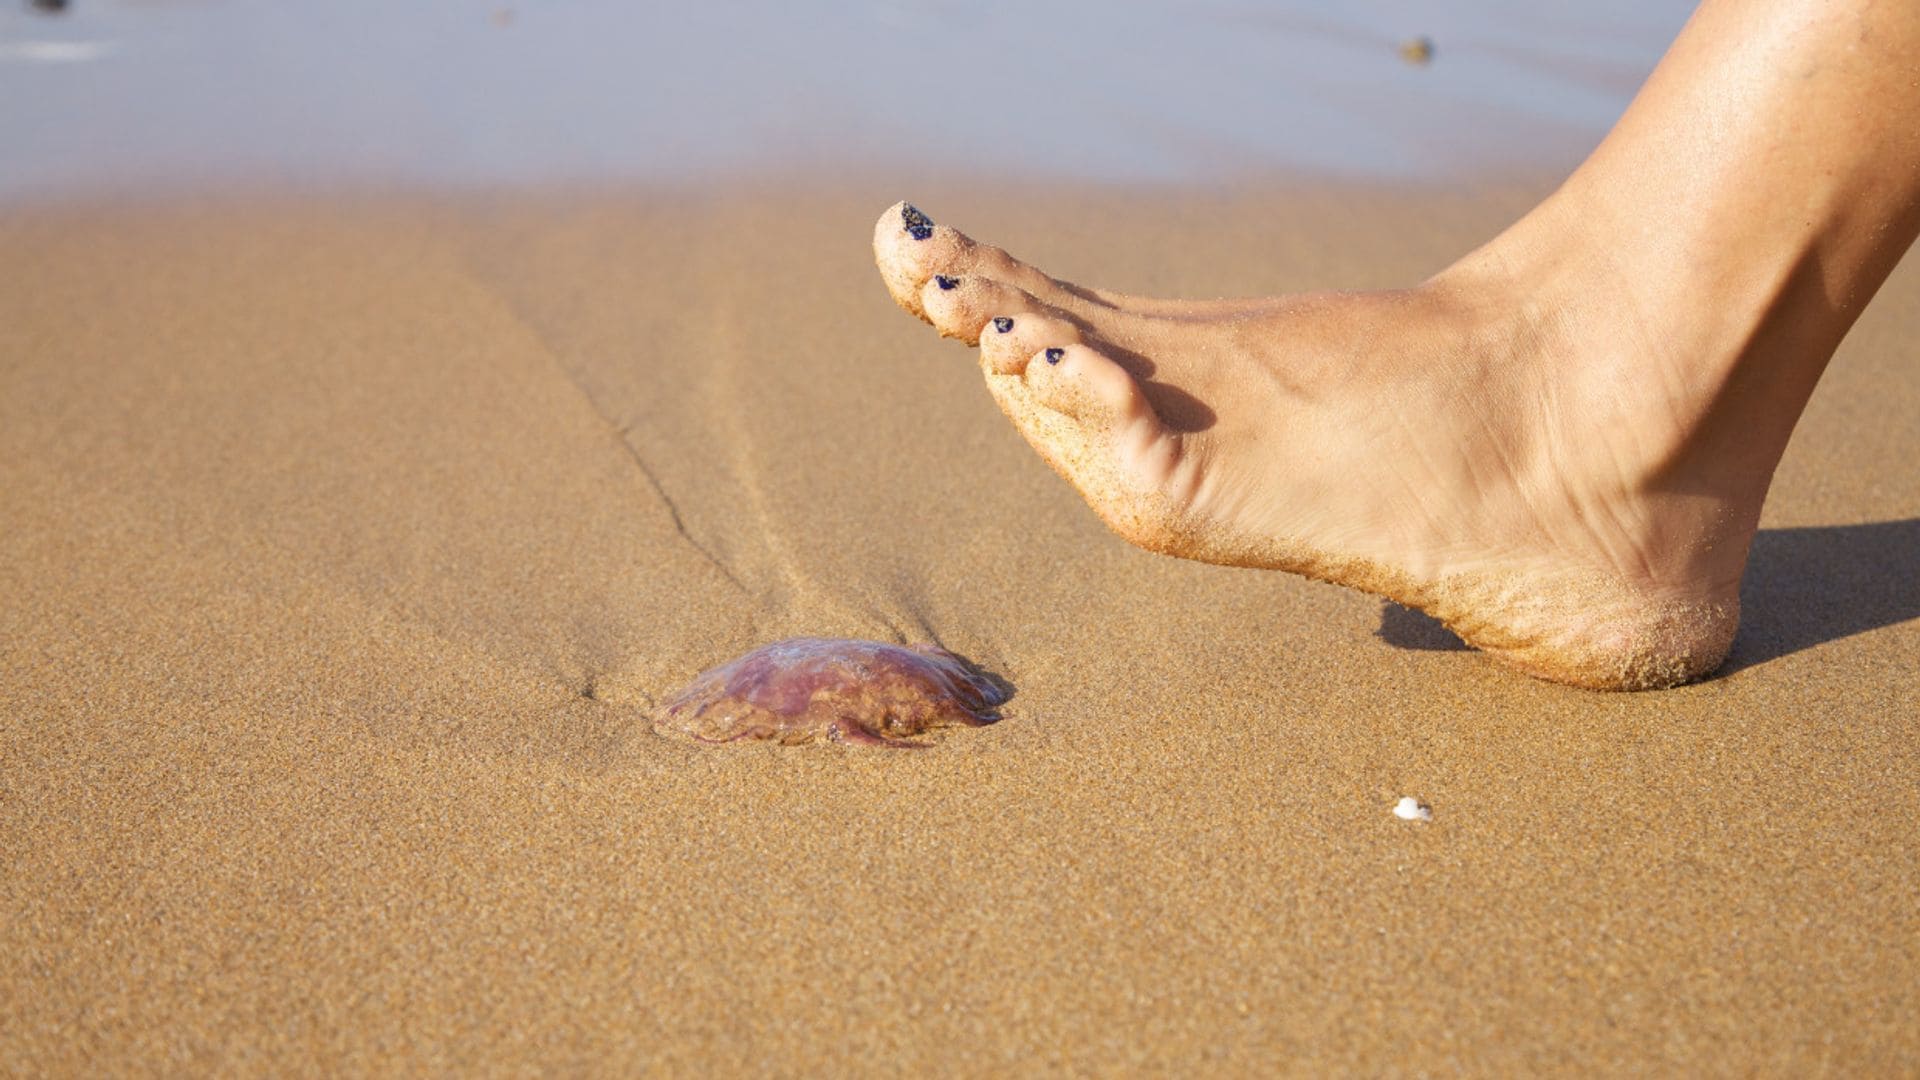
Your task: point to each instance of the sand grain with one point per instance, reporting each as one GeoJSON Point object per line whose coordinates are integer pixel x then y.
{"type": "Point", "coordinates": [348, 544]}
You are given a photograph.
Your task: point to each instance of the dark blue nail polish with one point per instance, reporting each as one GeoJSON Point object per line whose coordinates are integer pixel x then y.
{"type": "Point", "coordinates": [946, 283]}
{"type": "Point", "coordinates": [1003, 324]}
{"type": "Point", "coordinates": [1054, 356]}
{"type": "Point", "coordinates": [919, 226]}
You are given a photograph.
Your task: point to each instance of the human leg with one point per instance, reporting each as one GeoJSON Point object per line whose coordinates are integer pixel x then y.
{"type": "Point", "coordinates": [1560, 445]}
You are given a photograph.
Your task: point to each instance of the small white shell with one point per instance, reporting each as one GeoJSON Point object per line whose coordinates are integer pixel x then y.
{"type": "Point", "coordinates": [1412, 809]}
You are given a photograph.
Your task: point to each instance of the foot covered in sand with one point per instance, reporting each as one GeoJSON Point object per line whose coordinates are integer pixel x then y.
{"type": "Point", "coordinates": [1491, 448]}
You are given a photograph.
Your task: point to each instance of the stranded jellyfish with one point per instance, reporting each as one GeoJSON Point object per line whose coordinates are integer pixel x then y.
{"type": "Point", "coordinates": [801, 689]}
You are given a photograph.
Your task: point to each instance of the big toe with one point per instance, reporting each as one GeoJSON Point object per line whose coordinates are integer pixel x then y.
{"type": "Point", "coordinates": [910, 250]}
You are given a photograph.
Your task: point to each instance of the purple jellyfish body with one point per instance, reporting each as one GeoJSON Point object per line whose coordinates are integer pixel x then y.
{"type": "Point", "coordinates": [801, 689]}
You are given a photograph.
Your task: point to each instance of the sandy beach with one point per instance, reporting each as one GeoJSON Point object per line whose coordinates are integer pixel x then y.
{"type": "Point", "coordinates": [349, 541]}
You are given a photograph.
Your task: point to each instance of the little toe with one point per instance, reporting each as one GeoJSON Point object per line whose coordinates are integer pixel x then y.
{"type": "Point", "coordinates": [1088, 419]}
{"type": "Point", "coordinates": [1080, 382]}
{"type": "Point", "coordinates": [959, 307]}
{"type": "Point", "coordinates": [1009, 341]}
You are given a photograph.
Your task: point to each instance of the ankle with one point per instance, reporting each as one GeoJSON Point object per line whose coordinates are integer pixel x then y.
{"type": "Point", "coordinates": [1618, 407]}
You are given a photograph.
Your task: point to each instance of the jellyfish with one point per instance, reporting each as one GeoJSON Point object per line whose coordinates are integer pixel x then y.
{"type": "Point", "coordinates": [863, 692]}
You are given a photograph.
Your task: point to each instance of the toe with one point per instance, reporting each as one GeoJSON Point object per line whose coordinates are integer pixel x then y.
{"type": "Point", "coordinates": [960, 307]}
{"type": "Point", "coordinates": [985, 260]}
{"type": "Point", "coordinates": [1009, 340]}
{"type": "Point", "coordinates": [1080, 382]}
{"type": "Point", "coordinates": [910, 249]}
{"type": "Point", "coordinates": [1088, 419]}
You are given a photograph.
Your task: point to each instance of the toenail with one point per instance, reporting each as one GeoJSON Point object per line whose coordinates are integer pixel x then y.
{"type": "Point", "coordinates": [1054, 356]}
{"type": "Point", "coordinates": [919, 226]}
{"type": "Point", "coordinates": [1003, 324]}
{"type": "Point", "coordinates": [946, 283]}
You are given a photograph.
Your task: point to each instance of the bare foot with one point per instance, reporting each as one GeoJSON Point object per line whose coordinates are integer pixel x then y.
{"type": "Point", "coordinates": [1500, 448]}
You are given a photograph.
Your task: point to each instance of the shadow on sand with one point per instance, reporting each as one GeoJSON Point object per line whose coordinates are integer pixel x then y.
{"type": "Point", "coordinates": [1804, 587]}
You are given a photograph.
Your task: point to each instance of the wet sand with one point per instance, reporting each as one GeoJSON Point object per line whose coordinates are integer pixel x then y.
{"type": "Point", "coordinates": [348, 542]}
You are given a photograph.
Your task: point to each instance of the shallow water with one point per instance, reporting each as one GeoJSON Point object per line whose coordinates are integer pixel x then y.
{"type": "Point", "coordinates": [177, 93]}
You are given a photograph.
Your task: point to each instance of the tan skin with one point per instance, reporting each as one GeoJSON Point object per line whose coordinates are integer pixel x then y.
{"type": "Point", "coordinates": [1559, 445]}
